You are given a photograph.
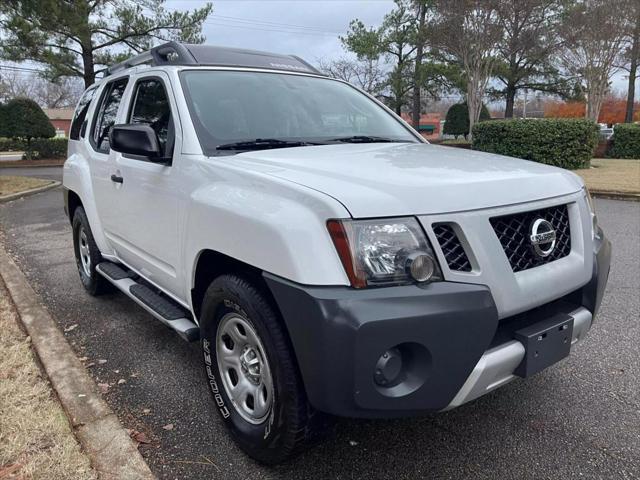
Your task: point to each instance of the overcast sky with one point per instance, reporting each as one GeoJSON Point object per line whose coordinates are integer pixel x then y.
{"type": "Point", "coordinates": [308, 28]}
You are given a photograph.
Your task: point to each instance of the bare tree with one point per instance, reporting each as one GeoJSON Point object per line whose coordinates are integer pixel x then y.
{"type": "Point", "coordinates": [13, 84]}
{"type": "Point", "coordinates": [63, 93]}
{"type": "Point", "coordinates": [365, 74]}
{"type": "Point", "coordinates": [468, 30]}
{"type": "Point", "coordinates": [594, 43]}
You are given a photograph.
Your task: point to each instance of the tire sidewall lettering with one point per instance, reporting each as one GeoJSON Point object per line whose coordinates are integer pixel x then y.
{"type": "Point", "coordinates": [213, 384]}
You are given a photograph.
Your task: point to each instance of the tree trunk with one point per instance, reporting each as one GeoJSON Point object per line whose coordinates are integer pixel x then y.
{"type": "Point", "coordinates": [628, 117]}
{"type": "Point", "coordinates": [511, 98]}
{"type": "Point", "coordinates": [635, 53]}
{"type": "Point", "coordinates": [594, 102]}
{"type": "Point", "coordinates": [28, 155]}
{"type": "Point", "coordinates": [415, 110]}
{"type": "Point", "coordinates": [472, 106]}
{"type": "Point", "coordinates": [88, 67]}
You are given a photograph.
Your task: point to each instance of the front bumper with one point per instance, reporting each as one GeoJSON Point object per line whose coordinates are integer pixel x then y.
{"type": "Point", "coordinates": [453, 344]}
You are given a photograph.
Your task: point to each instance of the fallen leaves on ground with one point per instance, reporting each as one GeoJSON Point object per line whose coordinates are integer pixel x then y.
{"type": "Point", "coordinates": [139, 437]}
{"type": "Point", "coordinates": [104, 387]}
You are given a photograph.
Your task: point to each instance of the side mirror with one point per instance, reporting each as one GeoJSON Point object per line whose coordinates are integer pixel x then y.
{"type": "Point", "coordinates": [136, 139]}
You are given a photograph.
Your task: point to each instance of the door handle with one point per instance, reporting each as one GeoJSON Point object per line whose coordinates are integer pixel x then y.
{"type": "Point", "coordinates": [116, 179]}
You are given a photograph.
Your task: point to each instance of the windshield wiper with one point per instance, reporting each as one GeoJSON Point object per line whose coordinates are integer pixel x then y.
{"type": "Point", "coordinates": [365, 139]}
{"type": "Point", "coordinates": [263, 143]}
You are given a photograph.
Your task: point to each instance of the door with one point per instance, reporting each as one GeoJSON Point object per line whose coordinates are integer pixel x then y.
{"type": "Point", "coordinates": [147, 199]}
{"type": "Point", "coordinates": [102, 158]}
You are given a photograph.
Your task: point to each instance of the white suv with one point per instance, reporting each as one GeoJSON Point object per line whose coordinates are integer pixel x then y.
{"type": "Point", "coordinates": [328, 258]}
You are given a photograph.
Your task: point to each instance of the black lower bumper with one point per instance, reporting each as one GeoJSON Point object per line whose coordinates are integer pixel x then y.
{"type": "Point", "coordinates": [440, 331]}
{"type": "Point", "coordinates": [593, 292]}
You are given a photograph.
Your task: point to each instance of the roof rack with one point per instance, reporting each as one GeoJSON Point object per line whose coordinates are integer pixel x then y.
{"type": "Point", "coordinates": [175, 53]}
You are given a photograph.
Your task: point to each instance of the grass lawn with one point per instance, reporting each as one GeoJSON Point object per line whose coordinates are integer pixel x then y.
{"type": "Point", "coordinates": [456, 141]}
{"type": "Point", "coordinates": [612, 175]}
{"type": "Point", "coordinates": [35, 437]}
{"type": "Point", "coordinates": [10, 184]}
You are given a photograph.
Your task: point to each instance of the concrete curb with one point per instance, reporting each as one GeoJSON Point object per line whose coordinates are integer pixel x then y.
{"type": "Point", "coordinates": [26, 193]}
{"type": "Point", "coordinates": [113, 454]}
{"type": "Point", "coordinates": [6, 164]}
{"type": "Point", "coordinates": [633, 197]}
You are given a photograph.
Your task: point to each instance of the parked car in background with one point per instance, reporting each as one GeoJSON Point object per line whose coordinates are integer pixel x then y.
{"type": "Point", "coordinates": [329, 260]}
{"type": "Point", "coordinates": [606, 132]}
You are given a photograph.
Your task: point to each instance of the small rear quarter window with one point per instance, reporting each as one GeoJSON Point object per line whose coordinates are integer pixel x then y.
{"type": "Point", "coordinates": [81, 113]}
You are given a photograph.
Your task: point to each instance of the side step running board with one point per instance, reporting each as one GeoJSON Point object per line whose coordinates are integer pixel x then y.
{"type": "Point", "coordinates": [158, 305]}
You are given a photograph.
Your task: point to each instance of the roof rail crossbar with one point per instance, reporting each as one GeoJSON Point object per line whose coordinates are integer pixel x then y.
{"type": "Point", "coordinates": [167, 53]}
{"type": "Point", "coordinates": [175, 53]}
{"type": "Point", "coordinates": [140, 59]}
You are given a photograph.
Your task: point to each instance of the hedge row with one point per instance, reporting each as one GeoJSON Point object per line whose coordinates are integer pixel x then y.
{"type": "Point", "coordinates": [626, 141]}
{"type": "Point", "coordinates": [12, 144]}
{"type": "Point", "coordinates": [567, 143]}
{"type": "Point", "coordinates": [43, 148]}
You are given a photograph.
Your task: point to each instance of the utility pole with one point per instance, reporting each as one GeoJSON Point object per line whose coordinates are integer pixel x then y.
{"type": "Point", "coordinates": [524, 107]}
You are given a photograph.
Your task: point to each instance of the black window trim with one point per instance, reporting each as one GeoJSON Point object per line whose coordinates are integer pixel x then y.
{"type": "Point", "coordinates": [134, 96]}
{"type": "Point", "coordinates": [106, 90]}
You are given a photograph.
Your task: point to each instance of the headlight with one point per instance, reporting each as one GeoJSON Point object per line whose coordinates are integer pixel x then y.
{"type": "Point", "coordinates": [384, 252]}
{"type": "Point", "coordinates": [592, 209]}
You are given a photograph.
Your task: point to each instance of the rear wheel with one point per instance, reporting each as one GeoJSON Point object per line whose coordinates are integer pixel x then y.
{"type": "Point", "coordinates": [87, 255]}
{"type": "Point", "coordinates": [252, 372]}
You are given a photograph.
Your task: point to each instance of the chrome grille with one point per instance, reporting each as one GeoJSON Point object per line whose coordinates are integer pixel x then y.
{"type": "Point", "coordinates": [513, 231]}
{"type": "Point", "coordinates": [452, 248]}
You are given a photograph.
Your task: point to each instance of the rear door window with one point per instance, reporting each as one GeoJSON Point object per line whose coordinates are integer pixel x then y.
{"type": "Point", "coordinates": [106, 115]}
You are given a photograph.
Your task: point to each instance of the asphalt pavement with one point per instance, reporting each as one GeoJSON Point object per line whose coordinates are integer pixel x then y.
{"type": "Point", "coordinates": [577, 419]}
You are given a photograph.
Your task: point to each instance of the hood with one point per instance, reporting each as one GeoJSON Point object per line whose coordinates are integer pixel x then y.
{"type": "Point", "coordinates": [393, 179]}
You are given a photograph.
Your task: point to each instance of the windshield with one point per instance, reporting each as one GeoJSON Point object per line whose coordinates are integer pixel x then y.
{"type": "Point", "coordinates": [229, 107]}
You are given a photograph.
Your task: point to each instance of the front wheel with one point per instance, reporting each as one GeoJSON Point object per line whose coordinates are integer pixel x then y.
{"type": "Point", "coordinates": [252, 372]}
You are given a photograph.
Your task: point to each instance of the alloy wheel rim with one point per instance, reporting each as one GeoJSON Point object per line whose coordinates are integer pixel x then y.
{"type": "Point", "coordinates": [83, 250]}
{"type": "Point", "coordinates": [244, 368]}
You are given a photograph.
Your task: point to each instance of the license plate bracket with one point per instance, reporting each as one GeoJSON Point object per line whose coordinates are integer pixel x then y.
{"type": "Point", "coordinates": [545, 342]}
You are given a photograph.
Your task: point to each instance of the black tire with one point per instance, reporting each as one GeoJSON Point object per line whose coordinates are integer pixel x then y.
{"type": "Point", "coordinates": [292, 423]}
{"type": "Point", "coordinates": [92, 281]}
